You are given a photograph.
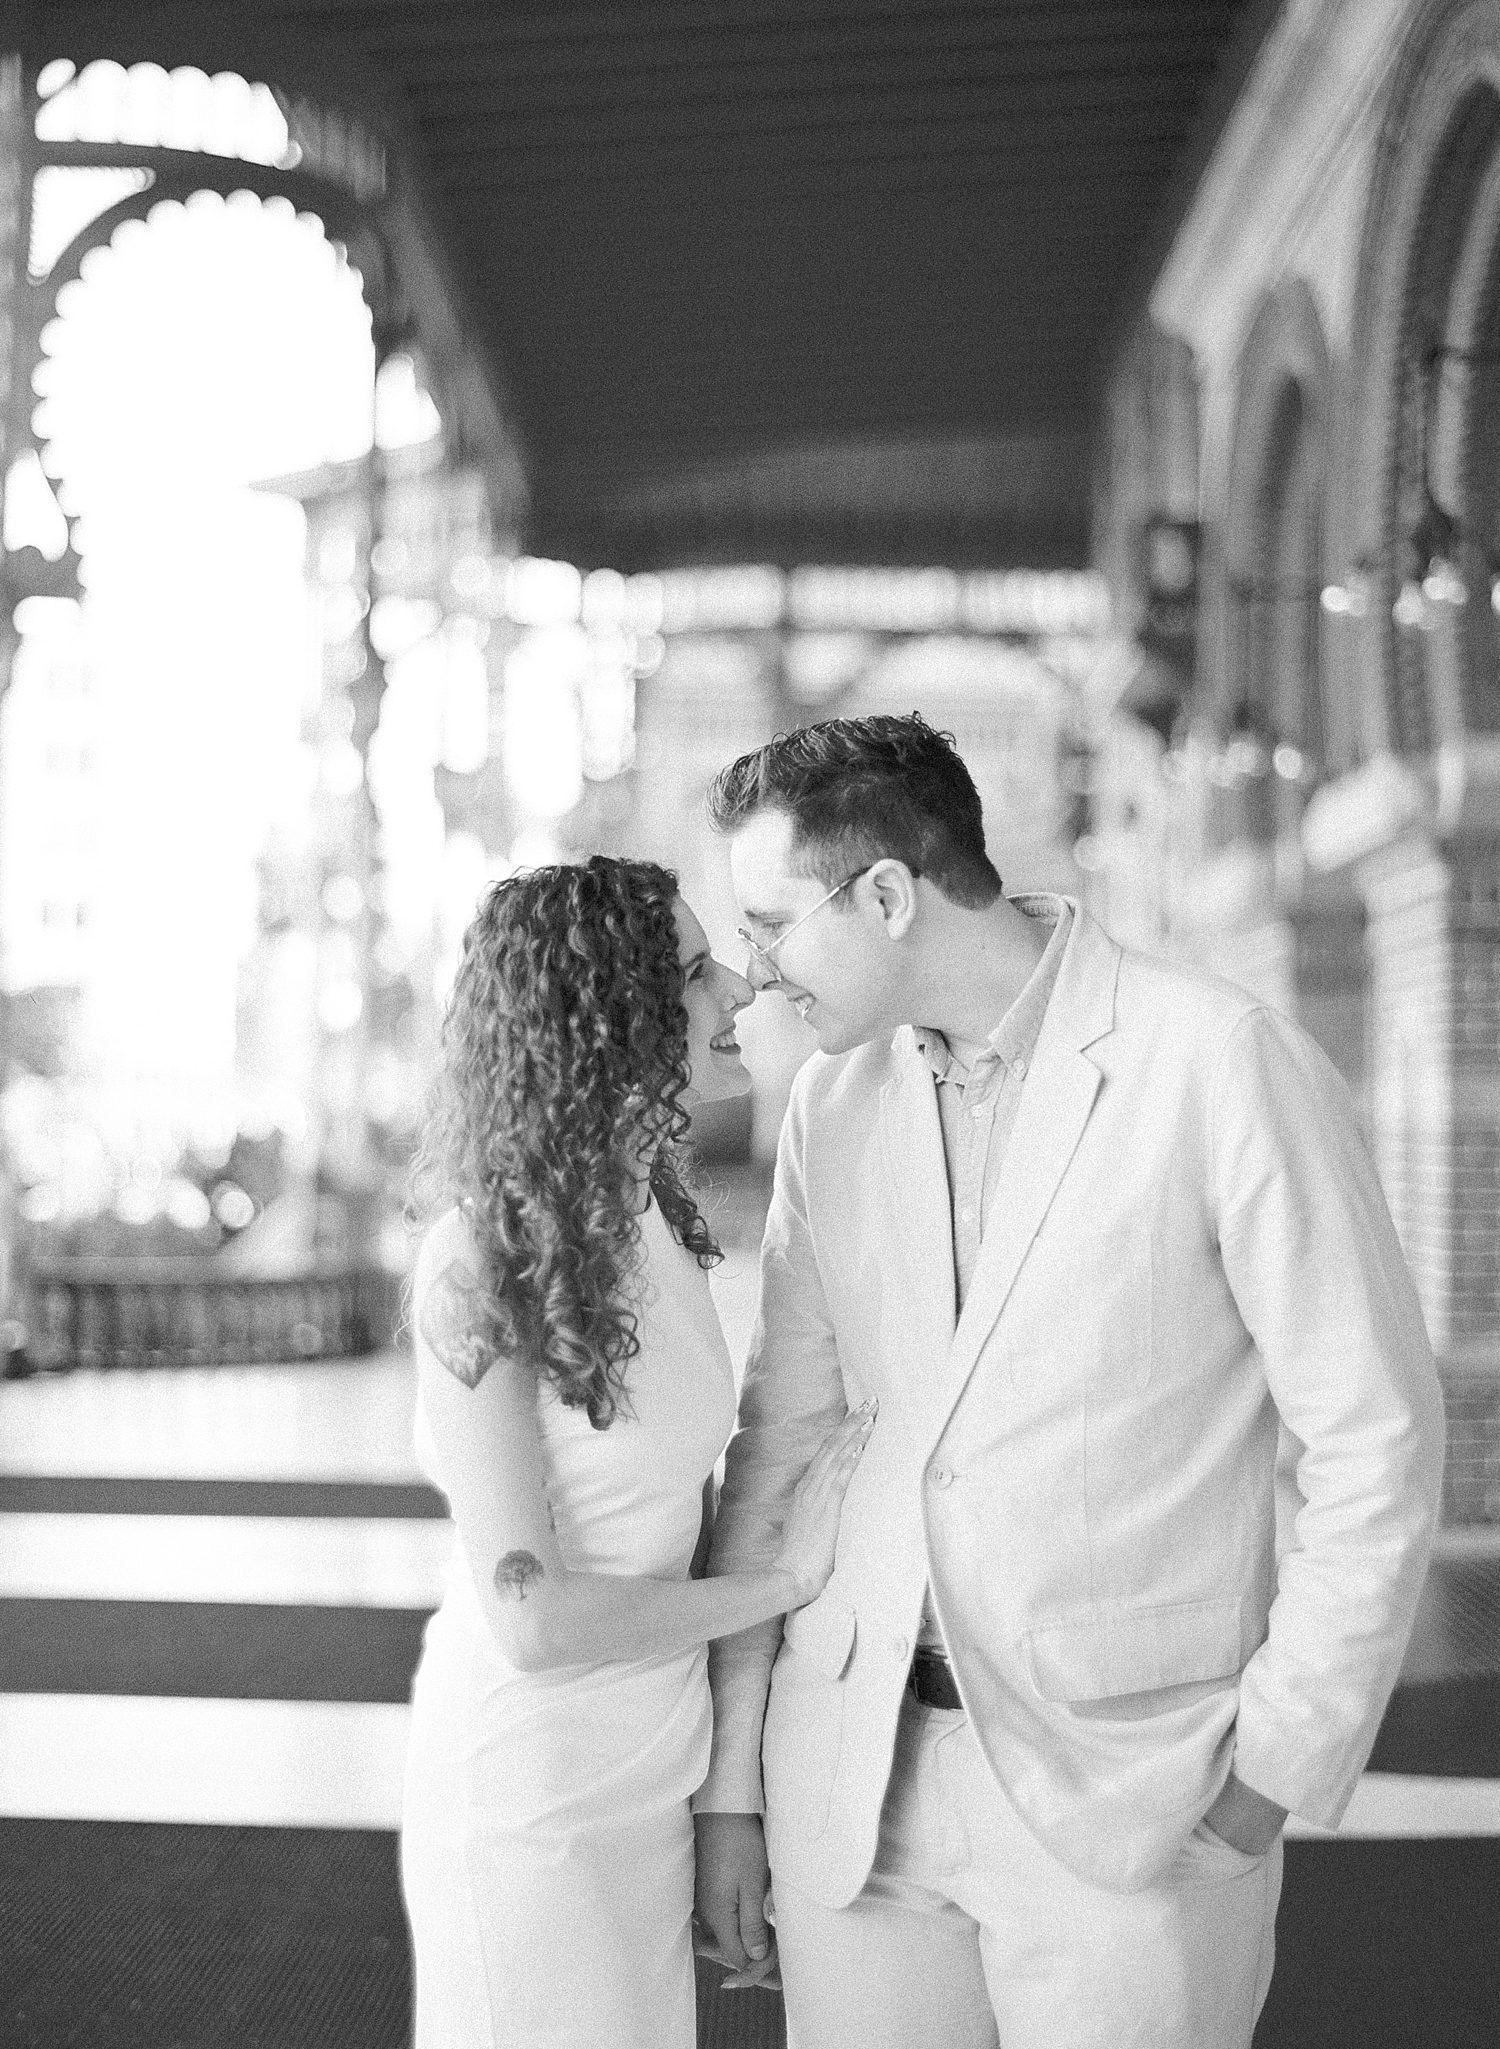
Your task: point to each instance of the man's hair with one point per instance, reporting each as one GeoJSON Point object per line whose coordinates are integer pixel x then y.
{"type": "Point", "coordinates": [861, 790]}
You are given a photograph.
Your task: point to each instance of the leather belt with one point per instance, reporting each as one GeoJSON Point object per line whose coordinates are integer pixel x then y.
{"type": "Point", "coordinates": [931, 1681]}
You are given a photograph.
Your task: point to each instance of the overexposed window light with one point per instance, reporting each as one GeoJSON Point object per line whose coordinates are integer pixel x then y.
{"type": "Point", "coordinates": [405, 415]}
{"type": "Point", "coordinates": [716, 600]}
{"type": "Point", "coordinates": [607, 707]}
{"type": "Point", "coordinates": [605, 596]}
{"type": "Point", "coordinates": [65, 199]}
{"type": "Point", "coordinates": [397, 624]}
{"type": "Point", "coordinates": [543, 733]}
{"type": "Point", "coordinates": [205, 347]}
{"type": "Point", "coordinates": [218, 338]}
{"type": "Point", "coordinates": [185, 109]}
{"type": "Point", "coordinates": [898, 600]}
{"type": "Point", "coordinates": [466, 870]}
{"type": "Point", "coordinates": [40, 619]}
{"type": "Point", "coordinates": [644, 603]}
{"type": "Point", "coordinates": [33, 518]}
{"type": "Point", "coordinates": [542, 593]}
{"type": "Point", "coordinates": [466, 707]}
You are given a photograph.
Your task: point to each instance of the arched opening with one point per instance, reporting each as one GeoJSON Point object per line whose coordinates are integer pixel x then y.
{"type": "Point", "coordinates": [157, 723]}
{"type": "Point", "coordinates": [1442, 495]}
{"type": "Point", "coordinates": [1283, 677]}
{"type": "Point", "coordinates": [1423, 672]}
{"type": "Point", "coordinates": [1268, 698]}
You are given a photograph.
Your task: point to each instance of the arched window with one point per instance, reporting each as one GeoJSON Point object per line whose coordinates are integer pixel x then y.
{"type": "Point", "coordinates": [1283, 675]}
{"type": "Point", "coordinates": [1446, 656]}
{"type": "Point", "coordinates": [1422, 460]}
{"type": "Point", "coordinates": [1269, 697]}
{"type": "Point", "coordinates": [218, 855]}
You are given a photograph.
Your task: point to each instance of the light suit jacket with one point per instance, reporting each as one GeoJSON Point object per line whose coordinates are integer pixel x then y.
{"type": "Point", "coordinates": [1188, 1267]}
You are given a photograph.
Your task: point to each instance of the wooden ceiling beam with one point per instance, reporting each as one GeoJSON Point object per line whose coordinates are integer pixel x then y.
{"type": "Point", "coordinates": [482, 68]}
{"type": "Point", "coordinates": [546, 20]}
{"type": "Point", "coordinates": [1094, 139]}
{"type": "Point", "coordinates": [811, 105]}
{"type": "Point", "coordinates": [973, 199]}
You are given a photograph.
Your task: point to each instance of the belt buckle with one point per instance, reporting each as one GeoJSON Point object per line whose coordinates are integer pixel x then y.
{"type": "Point", "coordinates": [930, 1681]}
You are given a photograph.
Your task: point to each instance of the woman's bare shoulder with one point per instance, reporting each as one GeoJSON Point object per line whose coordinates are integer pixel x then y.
{"type": "Point", "coordinates": [447, 1302]}
{"type": "Point", "coordinates": [448, 1238]}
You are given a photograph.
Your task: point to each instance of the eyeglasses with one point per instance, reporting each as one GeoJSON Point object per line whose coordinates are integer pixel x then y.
{"type": "Point", "coordinates": [762, 957]}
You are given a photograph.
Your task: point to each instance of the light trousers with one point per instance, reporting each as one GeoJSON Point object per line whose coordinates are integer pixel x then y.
{"type": "Point", "coordinates": [969, 1934]}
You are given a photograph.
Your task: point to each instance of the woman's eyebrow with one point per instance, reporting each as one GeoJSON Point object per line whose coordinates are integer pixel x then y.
{"type": "Point", "coordinates": [689, 965]}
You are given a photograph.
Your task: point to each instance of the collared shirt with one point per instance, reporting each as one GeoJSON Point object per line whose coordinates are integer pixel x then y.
{"type": "Point", "coordinates": [977, 1104]}
{"type": "Point", "coordinates": [977, 1107]}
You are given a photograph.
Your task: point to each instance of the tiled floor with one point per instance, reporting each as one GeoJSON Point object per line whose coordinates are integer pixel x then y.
{"type": "Point", "coordinates": [272, 1458]}
{"type": "Point", "coordinates": [212, 1585]}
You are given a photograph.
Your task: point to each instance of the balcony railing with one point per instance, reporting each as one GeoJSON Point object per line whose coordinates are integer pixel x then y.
{"type": "Point", "coordinates": [171, 1312]}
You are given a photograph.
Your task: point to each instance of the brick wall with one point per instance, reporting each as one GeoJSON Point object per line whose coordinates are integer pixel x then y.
{"type": "Point", "coordinates": [1407, 891]}
{"type": "Point", "coordinates": [1475, 1052]}
{"type": "Point", "coordinates": [1434, 950]}
{"type": "Point", "coordinates": [1471, 1480]}
{"type": "Point", "coordinates": [1328, 976]}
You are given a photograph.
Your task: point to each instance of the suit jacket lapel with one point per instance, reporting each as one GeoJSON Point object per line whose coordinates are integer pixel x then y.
{"type": "Point", "coordinates": [1059, 1095]}
{"type": "Point", "coordinates": [912, 1141]}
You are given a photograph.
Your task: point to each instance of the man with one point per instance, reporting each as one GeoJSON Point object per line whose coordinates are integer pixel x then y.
{"type": "Point", "coordinates": [1101, 1235]}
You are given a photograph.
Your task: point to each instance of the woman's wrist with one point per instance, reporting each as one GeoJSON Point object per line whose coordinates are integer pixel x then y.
{"type": "Point", "coordinates": [798, 1595]}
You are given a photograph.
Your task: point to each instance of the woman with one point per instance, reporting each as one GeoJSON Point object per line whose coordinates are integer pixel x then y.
{"type": "Point", "coordinates": [574, 1396]}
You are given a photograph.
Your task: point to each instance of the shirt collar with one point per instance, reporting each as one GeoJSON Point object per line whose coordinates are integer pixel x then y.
{"type": "Point", "coordinates": [1014, 1037]}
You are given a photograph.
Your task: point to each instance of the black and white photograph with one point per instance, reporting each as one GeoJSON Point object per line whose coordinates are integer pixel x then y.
{"type": "Point", "coordinates": [749, 1024]}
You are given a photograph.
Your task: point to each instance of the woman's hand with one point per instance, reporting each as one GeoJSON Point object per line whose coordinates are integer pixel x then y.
{"type": "Point", "coordinates": [810, 1532]}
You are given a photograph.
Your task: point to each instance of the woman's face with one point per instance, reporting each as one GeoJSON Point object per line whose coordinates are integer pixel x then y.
{"type": "Point", "coordinates": [714, 995]}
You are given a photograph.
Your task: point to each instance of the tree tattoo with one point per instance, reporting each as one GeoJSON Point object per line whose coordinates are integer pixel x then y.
{"type": "Point", "coordinates": [517, 1572]}
{"type": "Point", "coordinates": [450, 1323]}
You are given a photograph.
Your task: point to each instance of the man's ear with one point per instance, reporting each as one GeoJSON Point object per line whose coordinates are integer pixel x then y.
{"type": "Point", "coordinates": [894, 889]}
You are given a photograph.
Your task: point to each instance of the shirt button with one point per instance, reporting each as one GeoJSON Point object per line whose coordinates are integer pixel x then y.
{"type": "Point", "coordinates": [900, 1648]}
{"type": "Point", "coordinates": [978, 1112]}
{"type": "Point", "coordinates": [1019, 1070]}
{"type": "Point", "coordinates": [940, 1476]}
{"type": "Point", "coordinates": [966, 1216]}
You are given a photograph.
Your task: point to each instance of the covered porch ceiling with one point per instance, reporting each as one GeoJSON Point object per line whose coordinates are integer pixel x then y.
{"type": "Point", "coordinates": [771, 279]}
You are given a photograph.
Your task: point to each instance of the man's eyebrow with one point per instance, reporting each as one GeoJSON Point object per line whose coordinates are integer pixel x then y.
{"type": "Point", "coordinates": [759, 917]}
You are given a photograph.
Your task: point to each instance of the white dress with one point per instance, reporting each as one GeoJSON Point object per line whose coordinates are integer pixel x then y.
{"type": "Point", "coordinates": [547, 1846]}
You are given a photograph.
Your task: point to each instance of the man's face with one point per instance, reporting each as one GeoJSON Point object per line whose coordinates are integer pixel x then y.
{"type": "Point", "coordinates": [830, 967]}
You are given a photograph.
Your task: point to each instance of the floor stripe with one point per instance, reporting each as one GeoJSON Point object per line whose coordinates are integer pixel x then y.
{"type": "Point", "coordinates": [210, 1649]}
{"type": "Point", "coordinates": [1391, 1804]}
{"type": "Point", "coordinates": [324, 1419]}
{"type": "Point", "coordinates": [338, 1765]}
{"type": "Point", "coordinates": [279, 1763]}
{"type": "Point", "coordinates": [307, 1561]}
{"type": "Point", "coordinates": [75, 1494]}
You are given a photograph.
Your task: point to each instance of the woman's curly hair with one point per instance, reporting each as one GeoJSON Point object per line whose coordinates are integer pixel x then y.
{"type": "Point", "coordinates": [564, 1059]}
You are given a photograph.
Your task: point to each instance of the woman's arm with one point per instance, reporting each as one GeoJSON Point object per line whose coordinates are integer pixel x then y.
{"type": "Point", "coordinates": [482, 1413]}
{"type": "Point", "coordinates": [699, 1565]}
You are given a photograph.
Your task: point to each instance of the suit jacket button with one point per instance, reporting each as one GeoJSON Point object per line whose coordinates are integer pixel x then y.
{"type": "Point", "coordinates": [901, 1648]}
{"type": "Point", "coordinates": [940, 1476]}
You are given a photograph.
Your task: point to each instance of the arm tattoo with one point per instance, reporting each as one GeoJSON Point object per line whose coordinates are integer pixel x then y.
{"type": "Point", "coordinates": [516, 1573]}
{"type": "Point", "coordinates": [449, 1321]}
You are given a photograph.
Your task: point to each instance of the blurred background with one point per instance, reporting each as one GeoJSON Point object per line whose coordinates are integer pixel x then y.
{"type": "Point", "coordinates": [434, 438]}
